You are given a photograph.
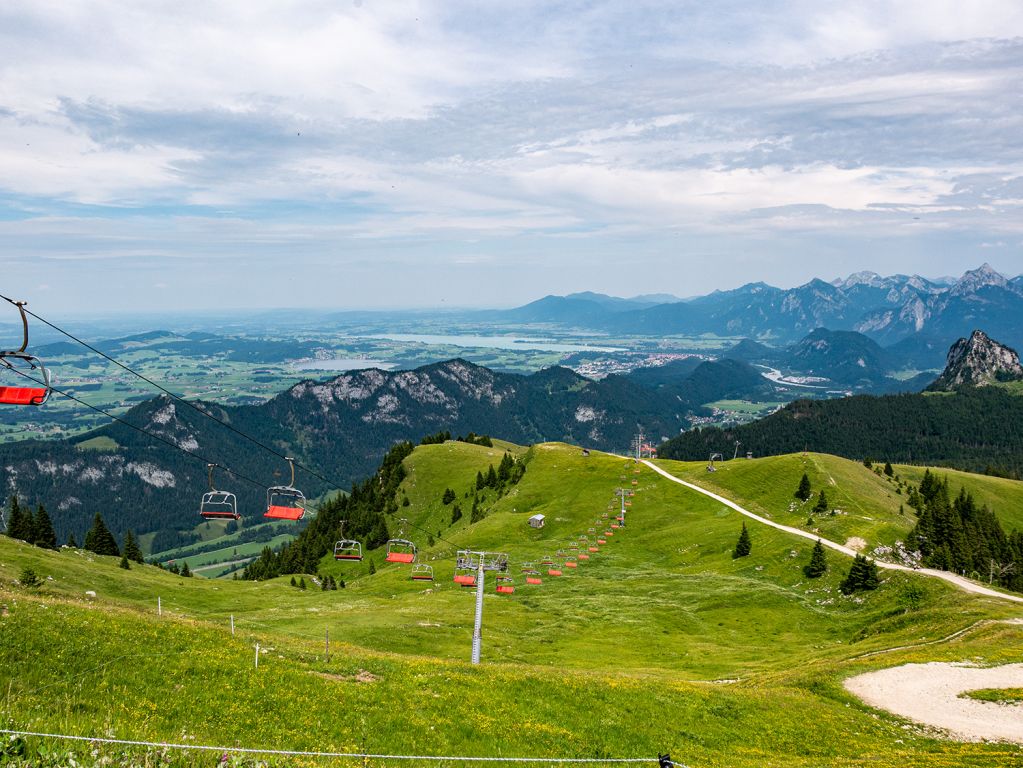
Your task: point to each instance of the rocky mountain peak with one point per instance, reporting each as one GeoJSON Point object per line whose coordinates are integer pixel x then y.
{"type": "Point", "coordinates": [978, 278]}
{"type": "Point", "coordinates": [976, 362]}
{"type": "Point", "coordinates": [865, 277]}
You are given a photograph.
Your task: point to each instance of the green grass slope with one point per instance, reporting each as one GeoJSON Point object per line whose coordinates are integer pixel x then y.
{"type": "Point", "coordinates": [614, 658]}
{"type": "Point", "coordinates": [868, 503]}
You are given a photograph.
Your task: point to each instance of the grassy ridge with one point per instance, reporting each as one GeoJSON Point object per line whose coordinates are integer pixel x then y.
{"type": "Point", "coordinates": [602, 661]}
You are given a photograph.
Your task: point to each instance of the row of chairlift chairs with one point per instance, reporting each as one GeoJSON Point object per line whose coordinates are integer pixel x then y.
{"type": "Point", "coordinates": [283, 502]}
{"type": "Point", "coordinates": [402, 550]}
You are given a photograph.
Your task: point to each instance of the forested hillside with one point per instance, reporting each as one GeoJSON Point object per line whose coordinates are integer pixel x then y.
{"type": "Point", "coordinates": [340, 428]}
{"type": "Point", "coordinates": [979, 430]}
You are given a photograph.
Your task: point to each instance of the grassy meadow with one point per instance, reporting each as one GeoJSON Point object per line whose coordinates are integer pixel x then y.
{"type": "Point", "coordinates": [659, 642]}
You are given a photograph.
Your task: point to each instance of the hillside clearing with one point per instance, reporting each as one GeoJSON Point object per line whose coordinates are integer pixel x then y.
{"type": "Point", "coordinates": [960, 582]}
{"type": "Point", "coordinates": [931, 694]}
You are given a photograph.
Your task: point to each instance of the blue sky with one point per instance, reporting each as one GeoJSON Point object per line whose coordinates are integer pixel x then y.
{"type": "Point", "coordinates": [188, 154]}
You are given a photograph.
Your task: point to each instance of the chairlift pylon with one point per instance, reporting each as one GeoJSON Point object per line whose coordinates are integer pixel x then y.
{"type": "Point", "coordinates": [218, 505]}
{"type": "Point", "coordinates": [17, 359]}
{"type": "Point", "coordinates": [285, 502]}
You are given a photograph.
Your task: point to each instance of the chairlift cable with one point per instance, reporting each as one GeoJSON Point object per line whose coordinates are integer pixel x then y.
{"type": "Point", "coordinates": [166, 391]}
{"type": "Point", "coordinates": [144, 431]}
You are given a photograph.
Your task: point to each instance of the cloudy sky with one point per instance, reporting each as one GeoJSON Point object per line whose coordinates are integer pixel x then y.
{"type": "Point", "coordinates": [362, 153]}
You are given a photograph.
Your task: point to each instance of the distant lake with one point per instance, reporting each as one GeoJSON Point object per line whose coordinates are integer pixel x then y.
{"type": "Point", "coordinates": [340, 364]}
{"type": "Point", "coordinates": [493, 342]}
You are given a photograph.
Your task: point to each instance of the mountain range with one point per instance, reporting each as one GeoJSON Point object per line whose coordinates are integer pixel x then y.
{"type": "Point", "coordinates": [919, 313]}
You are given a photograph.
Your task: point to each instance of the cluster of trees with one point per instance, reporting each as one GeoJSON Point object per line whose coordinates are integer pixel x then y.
{"type": "Point", "coordinates": [329, 583]}
{"type": "Point", "coordinates": [444, 435]}
{"type": "Point", "coordinates": [978, 430]}
{"type": "Point", "coordinates": [364, 511]}
{"type": "Point", "coordinates": [962, 536]}
{"type": "Point", "coordinates": [35, 528]}
{"type": "Point", "coordinates": [178, 570]}
{"type": "Point", "coordinates": [862, 576]}
{"type": "Point", "coordinates": [473, 439]}
{"type": "Point", "coordinates": [508, 472]}
{"type": "Point", "coordinates": [804, 492]}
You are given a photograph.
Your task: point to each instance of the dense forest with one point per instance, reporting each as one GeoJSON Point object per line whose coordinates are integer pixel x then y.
{"type": "Point", "coordinates": [978, 430]}
{"type": "Point", "coordinates": [959, 535]}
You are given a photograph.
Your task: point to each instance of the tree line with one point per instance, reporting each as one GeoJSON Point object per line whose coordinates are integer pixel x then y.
{"type": "Point", "coordinates": [977, 430]}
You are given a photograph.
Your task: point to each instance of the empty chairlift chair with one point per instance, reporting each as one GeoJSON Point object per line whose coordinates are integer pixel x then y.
{"type": "Point", "coordinates": [401, 550]}
{"type": "Point", "coordinates": [218, 505]}
{"type": "Point", "coordinates": [505, 585]}
{"type": "Point", "coordinates": [26, 381]}
{"type": "Point", "coordinates": [285, 502]}
{"type": "Point", "coordinates": [347, 549]}
{"type": "Point", "coordinates": [465, 577]}
{"type": "Point", "coordinates": [532, 575]}
{"type": "Point", "coordinates": [422, 572]}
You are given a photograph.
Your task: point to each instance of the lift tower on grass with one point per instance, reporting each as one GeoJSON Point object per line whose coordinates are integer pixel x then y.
{"type": "Point", "coordinates": [637, 444]}
{"type": "Point", "coordinates": [481, 562]}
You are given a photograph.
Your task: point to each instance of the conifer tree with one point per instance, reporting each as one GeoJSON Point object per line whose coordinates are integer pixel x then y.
{"type": "Point", "coordinates": [43, 534]}
{"type": "Point", "coordinates": [456, 514]}
{"type": "Point", "coordinates": [818, 562]}
{"type": "Point", "coordinates": [372, 567]}
{"type": "Point", "coordinates": [505, 469]}
{"type": "Point", "coordinates": [19, 522]}
{"type": "Point", "coordinates": [99, 539]}
{"type": "Point", "coordinates": [71, 541]}
{"type": "Point", "coordinates": [480, 481]}
{"type": "Point", "coordinates": [131, 548]}
{"type": "Point", "coordinates": [301, 583]}
{"type": "Point", "coordinates": [491, 477]}
{"type": "Point", "coordinates": [293, 582]}
{"type": "Point", "coordinates": [448, 497]}
{"type": "Point", "coordinates": [888, 469]}
{"type": "Point", "coordinates": [803, 492]}
{"type": "Point", "coordinates": [124, 563]}
{"type": "Point", "coordinates": [324, 583]}
{"type": "Point", "coordinates": [862, 576]}
{"type": "Point", "coordinates": [744, 545]}
{"type": "Point", "coordinates": [185, 570]}
{"type": "Point", "coordinates": [822, 503]}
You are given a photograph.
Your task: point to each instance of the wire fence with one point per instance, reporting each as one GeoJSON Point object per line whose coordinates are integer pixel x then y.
{"type": "Point", "coordinates": [663, 761]}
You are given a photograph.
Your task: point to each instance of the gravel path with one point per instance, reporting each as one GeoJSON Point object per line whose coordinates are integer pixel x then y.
{"type": "Point", "coordinates": [929, 694]}
{"type": "Point", "coordinates": [963, 584]}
